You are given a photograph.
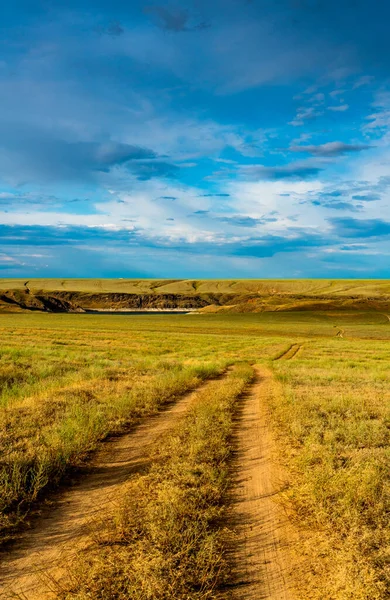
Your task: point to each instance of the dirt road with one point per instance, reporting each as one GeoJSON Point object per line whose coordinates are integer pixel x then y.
{"type": "Point", "coordinates": [259, 550]}
{"type": "Point", "coordinates": [290, 353]}
{"type": "Point", "coordinates": [33, 566]}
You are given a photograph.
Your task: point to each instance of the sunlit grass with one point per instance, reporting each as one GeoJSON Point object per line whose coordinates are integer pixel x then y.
{"type": "Point", "coordinates": [163, 542]}
{"type": "Point", "coordinates": [334, 419]}
{"type": "Point", "coordinates": [67, 381]}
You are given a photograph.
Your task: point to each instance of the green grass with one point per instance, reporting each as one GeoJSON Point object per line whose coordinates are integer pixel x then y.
{"type": "Point", "coordinates": [66, 381]}
{"type": "Point", "coordinates": [163, 543]}
{"type": "Point", "coordinates": [334, 423]}
{"type": "Point", "coordinates": [45, 435]}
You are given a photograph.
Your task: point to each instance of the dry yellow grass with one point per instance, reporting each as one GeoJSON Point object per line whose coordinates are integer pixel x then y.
{"type": "Point", "coordinates": [363, 287]}
{"type": "Point", "coordinates": [68, 380]}
{"type": "Point", "coordinates": [164, 543]}
{"type": "Point", "coordinates": [333, 414]}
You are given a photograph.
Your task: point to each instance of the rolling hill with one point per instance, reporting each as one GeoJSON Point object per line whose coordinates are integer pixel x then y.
{"type": "Point", "coordinates": [78, 295]}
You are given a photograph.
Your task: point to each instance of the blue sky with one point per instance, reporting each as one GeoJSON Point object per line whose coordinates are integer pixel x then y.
{"type": "Point", "coordinates": [233, 138]}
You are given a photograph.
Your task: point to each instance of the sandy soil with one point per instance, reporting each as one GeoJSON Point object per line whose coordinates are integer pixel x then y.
{"type": "Point", "coordinates": [33, 566]}
{"type": "Point", "coordinates": [260, 547]}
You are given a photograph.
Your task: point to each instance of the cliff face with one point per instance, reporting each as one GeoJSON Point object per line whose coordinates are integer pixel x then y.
{"type": "Point", "coordinates": [16, 301]}
{"type": "Point", "coordinates": [142, 301]}
{"type": "Point", "coordinates": [71, 302]}
{"type": "Point", "coordinates": [26, 300]}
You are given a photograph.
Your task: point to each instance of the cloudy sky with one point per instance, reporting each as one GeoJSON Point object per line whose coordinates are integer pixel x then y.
{"type": "Point", "coordinates": [195, 138]}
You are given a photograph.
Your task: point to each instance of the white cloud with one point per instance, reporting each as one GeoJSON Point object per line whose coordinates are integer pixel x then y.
{"type": "Point", "coordinates": [263, 197]}
{"type": "Point", "coordinates": [380, 119]}
{"type": "Point", "coordinates": [306, 113]}
{"type": "Point", "coordinates": [340, 108]}
{"type": "Point", "coordinates": [364, 80]}
{"type": "Point", "coordinates": [336, 93]}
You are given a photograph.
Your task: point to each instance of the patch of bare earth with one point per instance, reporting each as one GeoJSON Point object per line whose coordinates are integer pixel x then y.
{"type": "Point", "coordinates": [33, 567]}
{"type": "Point", "coordinates": [261, 545]}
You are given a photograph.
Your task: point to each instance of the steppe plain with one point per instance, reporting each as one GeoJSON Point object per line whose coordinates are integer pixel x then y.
{"type": "Point", "coordinates": [239, 451]}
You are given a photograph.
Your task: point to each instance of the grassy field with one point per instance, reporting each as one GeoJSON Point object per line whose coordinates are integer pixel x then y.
{"type": "Point", "coordinates": [333, 415]}
{"type": "Point", "coordinates": [67, 381]}
{"type": "Point", "coordinates": [163, 543]}
{"type": "Point", "coordinates": [357, 287]}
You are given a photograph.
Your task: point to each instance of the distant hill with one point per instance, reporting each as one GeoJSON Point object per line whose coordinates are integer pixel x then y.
{"type": "Point", "coordinates": [77, 295]}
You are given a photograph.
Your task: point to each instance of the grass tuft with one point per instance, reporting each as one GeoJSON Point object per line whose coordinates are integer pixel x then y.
{"type": "Point", "coordinates": [164, 542]}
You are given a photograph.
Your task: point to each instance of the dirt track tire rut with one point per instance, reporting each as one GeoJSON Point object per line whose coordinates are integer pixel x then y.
{"type": "Point", "coordinates": [36, 563]}
{"type": "Point", "coordinates": [259, 550]}
{"type": "Point", "coordinates": [290, 353]}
